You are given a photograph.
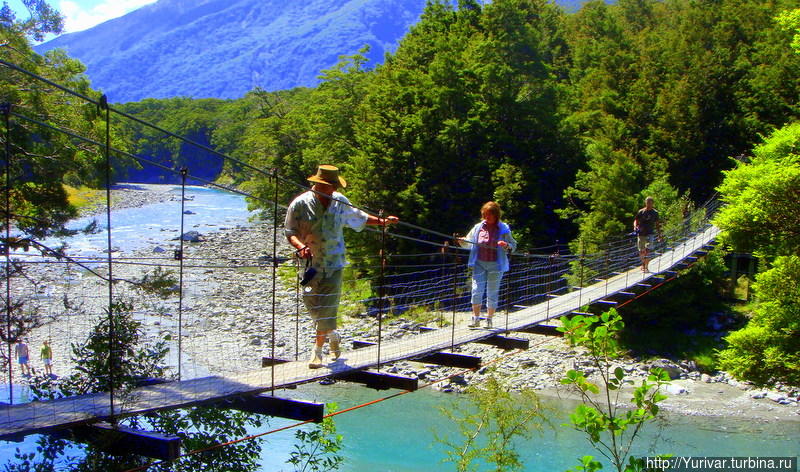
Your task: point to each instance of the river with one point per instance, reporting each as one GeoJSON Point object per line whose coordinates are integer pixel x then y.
{"type": "Point", "coordinates": [398, 434]}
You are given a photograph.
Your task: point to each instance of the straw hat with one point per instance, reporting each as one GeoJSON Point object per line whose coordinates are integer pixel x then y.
{"type": "Point", "coordinates": [328, 175]}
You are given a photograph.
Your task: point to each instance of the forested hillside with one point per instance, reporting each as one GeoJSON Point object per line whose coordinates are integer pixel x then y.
{"type": "Point", "coordinates": [567, 120]}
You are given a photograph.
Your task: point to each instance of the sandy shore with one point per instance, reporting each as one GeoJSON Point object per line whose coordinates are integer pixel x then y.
{"type": "Point", "coordinates": [226, 325]}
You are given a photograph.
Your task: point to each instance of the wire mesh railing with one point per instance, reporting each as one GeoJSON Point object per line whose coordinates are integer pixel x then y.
{"type": "Point", "coordinates": [223, 309]}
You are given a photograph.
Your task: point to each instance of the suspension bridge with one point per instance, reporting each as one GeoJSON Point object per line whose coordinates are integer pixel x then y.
{"type": "Point", "coordinates": [536, 291]}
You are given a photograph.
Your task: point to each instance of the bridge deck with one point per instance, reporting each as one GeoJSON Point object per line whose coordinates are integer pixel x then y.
{"type": "Point", "coordinates": [38, 417]}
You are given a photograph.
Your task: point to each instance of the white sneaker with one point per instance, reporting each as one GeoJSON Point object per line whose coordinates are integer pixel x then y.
{"type": "Point", "coordinates": [316, 360]}
{"type": "Point", "coordinates": [335, 339]}
{"type": "Point", "coordinates": [474, 322]}
{"type": "Point", "coordinates": [488, 322]}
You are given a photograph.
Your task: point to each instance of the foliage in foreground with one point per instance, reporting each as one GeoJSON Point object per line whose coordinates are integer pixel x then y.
{"type": "Point", "coordinates": [318, 448]}
{"type": "Point", "coordinates": [768, 348]}
{"type": "Point", "coordinates": [610, 426]}
{"type": "Point", "coordinates": [488, 423]}
{"type": "Point", "coordinates": [134, 359]}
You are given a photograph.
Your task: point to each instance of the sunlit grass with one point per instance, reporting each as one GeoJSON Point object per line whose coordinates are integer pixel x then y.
{"type": "Point", "coordinates": [83, 197]}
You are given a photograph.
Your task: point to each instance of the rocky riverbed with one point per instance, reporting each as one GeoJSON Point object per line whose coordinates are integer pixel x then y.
{"type": "Point", "coordinates": [227, 323]}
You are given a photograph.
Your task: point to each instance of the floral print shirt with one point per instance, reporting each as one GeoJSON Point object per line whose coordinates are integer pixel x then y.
{"type": "Point", "coordinates": [321, 229]}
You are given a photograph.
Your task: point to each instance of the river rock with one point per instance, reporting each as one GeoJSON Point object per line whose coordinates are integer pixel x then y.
{"type": "Point", "coordinates": [192, 237]}
{"type": "Point", "coordinates": [776, 397]}
{"type": "Point", "coordinates": [672, 369]}
{"type": "Point", "coordinates": [674, 389]}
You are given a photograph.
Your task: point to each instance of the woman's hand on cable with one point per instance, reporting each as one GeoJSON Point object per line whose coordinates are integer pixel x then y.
{"type": "Point", "coordinates": [389, 220]}
{"type": "Point", "coordinates": [502, 244]}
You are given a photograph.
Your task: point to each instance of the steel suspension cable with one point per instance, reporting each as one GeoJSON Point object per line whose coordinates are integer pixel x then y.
{"type": "Point", "coordinates": [6, 110]}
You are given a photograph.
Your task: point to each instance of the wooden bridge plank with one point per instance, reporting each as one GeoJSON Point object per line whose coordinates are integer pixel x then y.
{"type": "Point", "coordinates": [380, 380]}
{"type": "Point", "coordinates": [451, 359]}
{"type": "Point", "coordinates": [546, 330]}
{"type": "Point", "coordinates": [115, 439]}
{"type": "Point", "coordinates": [266, 404]}
{"type": "Point", "coordinates": [505, 342]}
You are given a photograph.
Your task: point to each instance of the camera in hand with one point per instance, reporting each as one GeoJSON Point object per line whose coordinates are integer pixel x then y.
{"type": "Point", "coordinates": [308, 276]}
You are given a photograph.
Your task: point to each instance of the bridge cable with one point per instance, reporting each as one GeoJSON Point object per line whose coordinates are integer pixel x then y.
{"type": "Point", "coordinates": [180, 256]}
{"type": "Point", "coordinates": [335, 413]}
{"type": "Point", "coordinates": [6, 110]}
{"type": "Point", "coordinates": [103, 105]}
{"type": "Point", "coordinates": [274, 274]}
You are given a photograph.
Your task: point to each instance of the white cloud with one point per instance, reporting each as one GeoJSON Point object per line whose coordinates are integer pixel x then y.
{"type": "Point", "coordinates": [79, 16]}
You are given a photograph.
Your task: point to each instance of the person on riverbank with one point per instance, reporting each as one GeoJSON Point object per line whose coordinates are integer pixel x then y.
{"type": "Point", "coordinates": [489, 241]}
{"type": "Point", "coordinates": [46, 354]}
{"type": "Point", "coordinates": [645, 224]}
{"type": "Point", "coordinates": [314, 223]}
{"type": "Point", "coordinates": [21, 352]}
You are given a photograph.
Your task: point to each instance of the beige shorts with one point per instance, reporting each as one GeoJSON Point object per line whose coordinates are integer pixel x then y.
{"type": "Point", "coordinates": [644, 242]}
{"type": "Point", "coordinates": [322, 301]}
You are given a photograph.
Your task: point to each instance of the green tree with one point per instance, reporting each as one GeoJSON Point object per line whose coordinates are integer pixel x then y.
{"type": "Point", "coordinates": [790, 20]}
{"type": "Point", "coordinates": [466, 111]}
{"type": "Point", "coordinates": [610, 428]}
{"type": "Point", "coordinates": [318, 448]}
{"type": "Point", "coordinates": [759, 213]}
{"type": "Point", "coordinates": [43, 19]}
{"type": "Point", "coordinates": [488, 423]}
{"type": "Point", "coordinates": [768, 348]}
{"type": "Point", "coordinates": [42, 159]}
{"type": "Point", "coordinates": [668, 89]}
{"type": "Point", "coordinates": [759, 216]}
{"type": "Point", "coordinates": [134, 359]}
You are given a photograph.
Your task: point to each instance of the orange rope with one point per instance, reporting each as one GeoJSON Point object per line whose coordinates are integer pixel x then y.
{"type": "Point", "coordinates": [330, 415]}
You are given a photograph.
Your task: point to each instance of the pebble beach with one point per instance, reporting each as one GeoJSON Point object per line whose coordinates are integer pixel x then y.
{"type": "Point", "coordinates": [226, 322]}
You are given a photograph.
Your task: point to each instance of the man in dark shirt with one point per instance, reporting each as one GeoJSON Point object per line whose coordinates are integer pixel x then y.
{"type": "Point", "coordinates": [645, 224]}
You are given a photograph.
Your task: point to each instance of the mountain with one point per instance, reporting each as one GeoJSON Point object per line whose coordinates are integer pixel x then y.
{"type": "Point", "coordinates": [224, 48]}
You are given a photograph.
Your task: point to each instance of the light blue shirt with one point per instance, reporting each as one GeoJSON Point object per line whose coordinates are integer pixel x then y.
{"type": "Point", "coordinates": [504, 235]}
{"type": "Point", "coordinates": [321, 229]}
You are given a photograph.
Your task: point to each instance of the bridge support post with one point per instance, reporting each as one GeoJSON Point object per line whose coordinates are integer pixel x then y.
{"type": "Point", "coordinates": [5, 108]}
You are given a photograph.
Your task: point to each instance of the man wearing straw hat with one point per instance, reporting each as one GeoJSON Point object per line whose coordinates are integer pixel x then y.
{"type": "Point", "coordinates": [314, 223]}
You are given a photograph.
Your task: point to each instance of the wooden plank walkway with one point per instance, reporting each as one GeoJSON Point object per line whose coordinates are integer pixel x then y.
{"type": "Point", "coordinates": [37, 417]}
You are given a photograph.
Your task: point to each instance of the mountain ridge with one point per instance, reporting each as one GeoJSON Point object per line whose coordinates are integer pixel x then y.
{"type": "Point", "coordinates": [164, 49]}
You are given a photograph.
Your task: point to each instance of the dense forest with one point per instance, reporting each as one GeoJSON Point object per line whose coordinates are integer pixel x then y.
{"type": "Point", "coordinates": [568, 120]}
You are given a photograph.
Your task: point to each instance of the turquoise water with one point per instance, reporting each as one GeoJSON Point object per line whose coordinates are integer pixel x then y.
{"type": "Point", "coordinates": [398, 435]}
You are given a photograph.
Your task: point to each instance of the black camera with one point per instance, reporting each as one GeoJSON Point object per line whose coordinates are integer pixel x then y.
{"type": "Point", "coordinates": [308, 276]}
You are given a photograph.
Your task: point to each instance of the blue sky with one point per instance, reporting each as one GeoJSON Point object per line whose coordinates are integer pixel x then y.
{"type": "Point", "coordinates": [83, 14]}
